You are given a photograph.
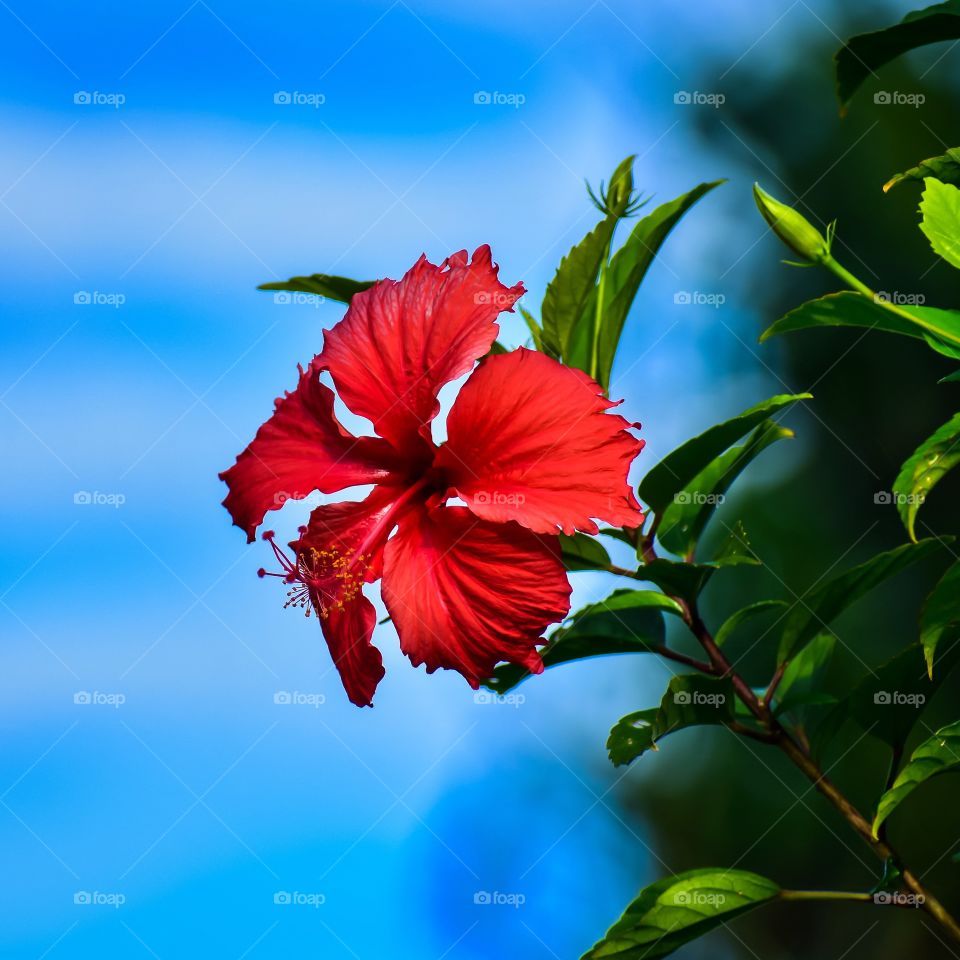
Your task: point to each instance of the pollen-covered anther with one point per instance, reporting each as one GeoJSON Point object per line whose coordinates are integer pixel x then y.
{"type": "Point", "coordinates": [321, 580]}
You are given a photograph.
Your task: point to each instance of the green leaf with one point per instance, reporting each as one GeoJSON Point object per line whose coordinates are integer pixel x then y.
{"type": "Point", "coordinates": [684, 580]}
{"type": "Point", "coordinates": [950, 377]}
{"type": "Point", "coordinates": [940, 616]}
{"type": "Point", "coordinates": [801, 681]}
{"type": "Point", "coordinates": [539, 342]}
{"type": "Point", "coordinates": [629, 266]}
{"type": "Point", "coordinates": [887, 701]}
{"type": "Point", "coordinates": [934, 756]}
{"type": "Point", "coordinates": [687, 580]}
{"type": "Point", "coordinates": [831, 597]}
{"type": "Point", "coordinates": [572, 286]}
{"type": "Point", "coordinates": [736, 549]}
{"type": "Point", "coordinates": [946, 167]}
{"type": "Point", "coordinates": [624, 536]}
{"type": "Point", "coordinates": [581, 552]}
{"type": "Point", "coordinates": [861, 56]}
{"type": "Point", "coordinates": [940, 328]}
{"type": "Point", "coordinates": [628, 621]}
{"type": "Point", "coordinates": [691, 699]}
{"type": "Point", "coordinates": [679, 468]}
{"type": "Point", "coordinates": [341, 289]}
{"type": "Point", "coordinates": [929, 463]}
{"type": "Point", "coordinates": [743, 615]}
{"type": "Point", "coordinates": [891, 880]}
{"type": "Point", "coordinates": [496, 348]}
{"type": "Point", "coordinates": [940, 207]}
{"type": "Point", "coordinates": [685, 519]}
{"type": "Point", "coordinates": [673, 911]}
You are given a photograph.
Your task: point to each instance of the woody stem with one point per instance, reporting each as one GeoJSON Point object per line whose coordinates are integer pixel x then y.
{"type": "Point", "coordinates": [773, 732]}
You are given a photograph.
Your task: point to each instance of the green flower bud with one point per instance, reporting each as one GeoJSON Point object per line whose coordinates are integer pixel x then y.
{"type": "Point", "coordinates": [801, 236]}
{"type": "Point", "coordinates": [621, 188]}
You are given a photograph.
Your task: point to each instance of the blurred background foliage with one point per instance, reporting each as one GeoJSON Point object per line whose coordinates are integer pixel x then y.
{"type": "Point", "coordinates": [875, 398]}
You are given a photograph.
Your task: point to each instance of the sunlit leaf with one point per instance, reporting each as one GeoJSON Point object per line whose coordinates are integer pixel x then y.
{"type": "Point", "coordinates": [940, 617]}
{"type": "Point", "coordinates": [940, 207]}
{"type": "Point", "coordinates": [929, 463]}
{"type": "Point", "coordinates": [937, 755]}
{"type": "Point", "coordinates": [691, 699]}
{"type": "Point", "coordinates": [940, 328]}
{"type": "Point", "coordinates": [628, 621]}
{"type": "Point", "coordinates": [684, 520]}
{"type": "Point", "coordinates": [861, 56]}
{"type": "Point", "coordinates": [673, 911]}
{"type": "Point", "coordinates": [946, 167]}
{"type": "Point", "coordinates": [629, 266]}
{"type": "Point", "coordinates": [536, 332]}
{"type": "Point", "coordinates": [679, 468]}
{"type": "Point", "coordinates": [573, 285]}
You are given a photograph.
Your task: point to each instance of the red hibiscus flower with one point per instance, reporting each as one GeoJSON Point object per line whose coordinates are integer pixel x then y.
{"type": "Point", "coordinates": [531, 451]}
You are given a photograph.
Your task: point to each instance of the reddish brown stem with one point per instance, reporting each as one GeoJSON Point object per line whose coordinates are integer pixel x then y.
{"type": "Point", "coordinates": [799, 754]}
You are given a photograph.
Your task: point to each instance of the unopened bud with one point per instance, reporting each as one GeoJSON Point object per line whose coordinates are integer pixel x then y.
{"type": "Point", "coordinates": [801, 236]}
{"type": "Point", "coordinates": [621, 188]}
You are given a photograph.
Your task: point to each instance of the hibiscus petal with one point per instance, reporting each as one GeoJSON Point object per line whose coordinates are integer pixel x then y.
{"type": "Point", "coordinates": [530, 440]}
{"type": "Point", "coordinates": [301, 448]}
{"type": "Point", "coordinates": [465, 594]}
{"type": "Point", "coordinates": [400, 342]}
{"type": "Point", "coordinates": [358, 661]}
{"type": "Point", "coordinates": [349, 527]}
{"type": "Point", "coordinates": [343, 546]}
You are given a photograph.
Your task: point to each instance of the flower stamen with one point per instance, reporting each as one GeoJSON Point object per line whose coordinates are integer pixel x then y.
{"type": "Point", "coordinates": [321, 580]}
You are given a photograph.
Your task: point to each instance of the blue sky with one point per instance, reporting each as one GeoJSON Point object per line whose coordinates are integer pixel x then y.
{"type": "Point", "coordinates": [139, 359]}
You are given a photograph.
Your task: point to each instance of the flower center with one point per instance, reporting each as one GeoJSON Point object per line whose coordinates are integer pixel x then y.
{"type": "Point", "coordinates": [321, 580]}
{"type": "Point", "coordinates": [326, 578]}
